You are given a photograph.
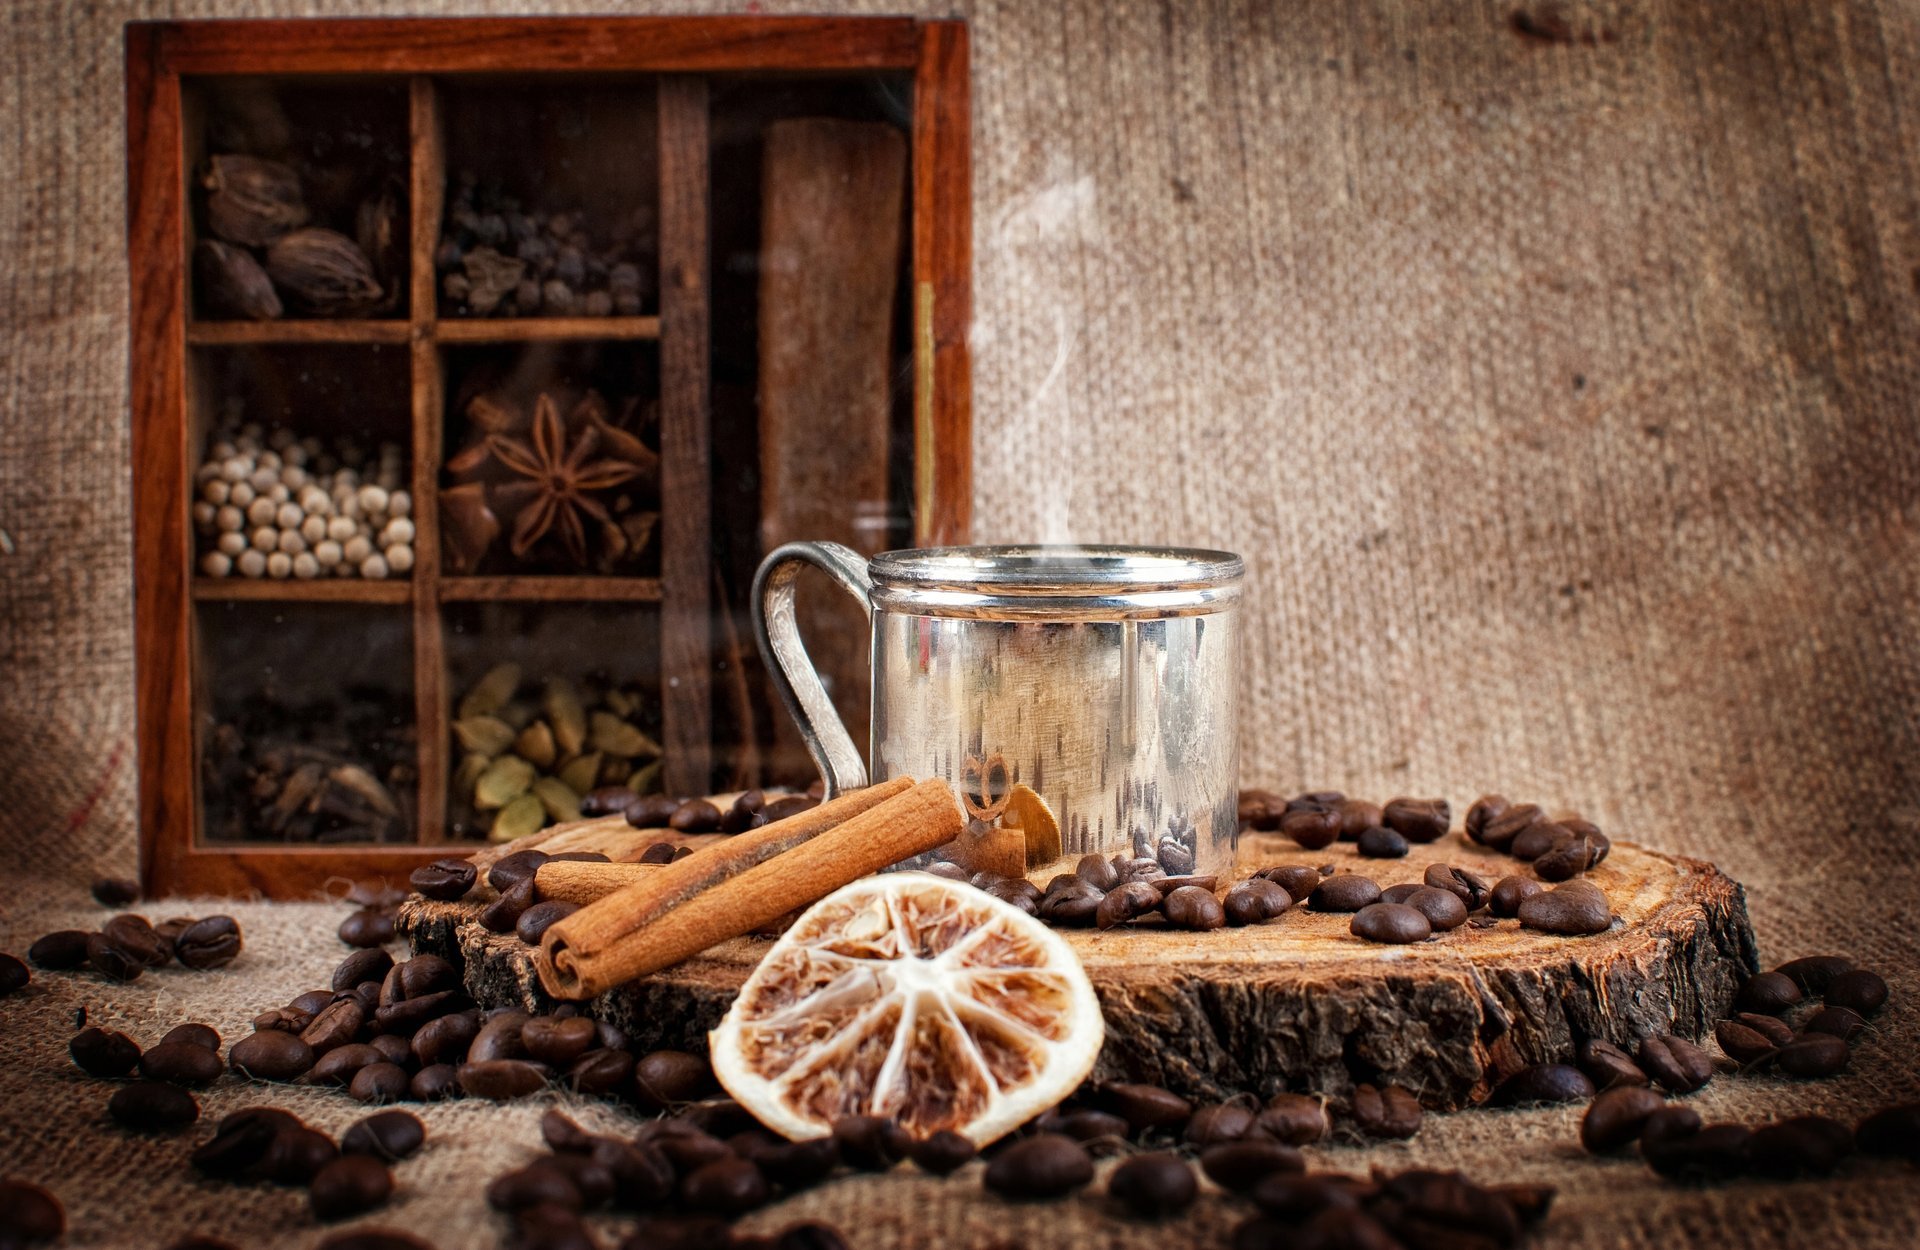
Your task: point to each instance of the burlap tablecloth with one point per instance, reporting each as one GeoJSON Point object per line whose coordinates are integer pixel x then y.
{"type": "Point", "coordinates": [1557, 375]}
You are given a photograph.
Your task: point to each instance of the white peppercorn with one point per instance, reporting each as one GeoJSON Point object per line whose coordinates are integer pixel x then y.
{"type": "Point", "coordinates": [203, 514]}
{"type": "Point", "coordinates": [296, 457]}
{"type": "Point", "coordinates": [314, 501]}
{"type": "Point", "coordinates": [291, 542]}
{"type": "Point", "coordinates": [215, 490]}
{"type": "Point", "coordinates": [356, 549]}
{"type": "Point", "coordinates": [341, 528]}
{"type": "Point", "coordinates": [221, 451]}
{"type": "Point", "coordinates": [280, 565]}
{"type": "Point", "coordinates": [398, 530]}
{"type": "Point", "coordinates": [278, 492]}
{"type": "Point", "coordinates": [327, 553]}
{"type": "Point", "coordinates": [289, 515]}
{"type": "Point", "coordinates": [266, 538]}
{"type": "Point", "coordinates": [231, 542]}
{"type": "Point", "coordinates": [240, 494]}
{"type": "Point", "coordinates": [229, 518]}
{"type": "Point", "coordinates": [399, 557]}
{"type": "Point", "coordinates": [399, 503]}
{"type": "Point", "coordinates": [293, 478]}
{"type": "Point", "coordinates": [234, 469]}
{"type": "Point", "coordinates": [252, 563]}
{"type": "Point", "coordinates": [314, 528]}
{"type": "Point", "coordinates": [305, 566]}
{"type": "Point", "coordinates": [216, 564]}
{"type": "Point", "coordinates": [373, 499]}
{"type": "Point", "coordinates": [374, 566]}
{"type": "Point", "coordinates": [261, 512]}
{"type": "Point", "coordinates": [263, 479]}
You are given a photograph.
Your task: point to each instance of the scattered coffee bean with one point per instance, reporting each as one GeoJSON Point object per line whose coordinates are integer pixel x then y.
{"type": "Point", "coordinates": [504, 912]}
{"type": "Point", "coordinates": [695, 816]}
{"type": "Point", "coordinates": [1804, 1145]}
{"type": "Point", "coordinates": [1542, 1082]}
{"type": "Point", "coordinates": [1190, 907]}
{"type": "Point", "coordinates": [599, 1072]}
{"type": "Point", "coordinates": [337, 1066]}
{"type": "Point", "coordinates": [659, 853]}
{"type": "Point", "coordinates": [510, 870]}
{"type": "Point", "coordinates": [1813, 973]}
{"type": "Point", "coordinates": [1255, 901]}
{"type": "Point", "coordinates": [212, 942]}
{"type": "Point", "coordinates": [445, 879]}
{"type": "Point", "coordinates": [1769, 992]}
{"type": "Point", "coordinates": [1143, 1106]}
{"type": "Point", "coordinates": [501, 1080]}
{"type": "Point", "coordinates": [1075, 905]}
{"type": "Point", "coordinates": [871, 1143]}
{"type": "Point", "coordinates": [1097, 871]}
{"type": "Point", "coordinates": [1485, 810]}
{"type": "Point", "coordinates": [394, 1048]}
{"type": "Point", "coordinates": [727, 1187]}
{"type": "Point", "coordinates": [336, 1025]}
{"type": "Point", "coordinates": [235, 1148]}
{"type": "Point", "coordinates": [1381, 842]}
{"type": "Point", "coordinates": [1442, 908]}
{"type": "Point", "coordinates": [60, 951]}
{"type": "Point", "coordinates": [1294, 1119]}
{"type": "Point", "coordinates": [115, 891]}
{"type": "Point", "coordinates": [1537, 839]}
{"type": "Point", "coordinates": [1813, 1055]}
{"type": "Point", "coordinates": [1893, 1131]}
{"type": "Point", "coordinates": [1218, 1122]}
{"type": "Point", "coordinates": [1297, 880]}
{"type": "Point", "coordinates": [1509, 892]}
{"type": "Point", "coordinates": [379, 1083]}
{"type": "Point", "coordinates": [1083, 1124]}
{"type": "Point", "coordinates": [1672, 1120]}
{"type": "Point", "coordinates": [607, 801]}
{"type": "Point", "coordinates": [1607, 1066]}
{"type": "Point", "coordinates": [29, 1215]}
{"type": "Point", "coordinates": [1615, 1118]}
{"type": "Point", "coordinates": [100, 1053]}
{"type": "Point", "coordinates": [590, 1176]}
{"type": "Point", "coordinates": [1125, 903]}
{"type": "Point", "coordinates": [194, 1034]}
{"type": "Point", "coordinates": [940, 1154]}
{"type": "Point", "coordinates": [271, 1055]}
{"type": "Point", "coordinates": [1153, 1186]}
{"type": "Point", "coordinates": [1470, 888]}
{"type": "Point", "coordinates": [788, 805]}
{"type": "Point", "coordinates": [1774, 1029]}
{"type": "Point", "coordinates": [313, 1002]}
{"type": "Point", "coordinates": [1394, 923]}
{"type": "Point", "coordinates": [1400, 893]}
{"type": "Point", "coordinates": [1357, 816]}
{"type": "Point", "coordinates": [537, 919]}
{"type": "Point", "coordinates": [1311, 827]}
{"type": "Point", "coordinates": [350, 1185]}
{"type": "Point", "coordinates": [153, 1107]}
{"type": "Point", "coordinates": [1046, 1165]}
{"type": "Point", "coordinates": [558, 1042]}
{"type": "Point", "coordinates": [1344, 892]}
{"type": "Point", "coordinates": [1674, 1063]}
{"type": "Point", "coordinates": [1857, 990]}
{"type": "Point", "coordinates": [539, 1183]}
{"type": "Point", "coordinates": [1743, 1045]}
{"type": "Point", "coordinates": [1716, 1152]}
{"type": "Point", "coordinates": [369, 926]}
{"type": "Point", "coordinates": [1291, 1197]}
{"type": "Point", "coordinates": [1392, 1113]}
{"type": "Point", "coordinates": [112, 961]}
{"type": "Point", "coordinates": [1240, 1165]}
{"type": "Point", "coordinates": [1577, 907]}
{"type": "Point", "coordinates": [389, 1135]}
{"type": "Point", "coordinates": [1842, 1022]}
{"type": "Point", "coordinates": [435, 1083]}
{"type": "Point", "coordinates": [667, 1078]}
{"type": "Point", "coordinates": [1572, 855]}
{"type": "Point", "coordinates": [181, 1063]}
{"type": "Point", "coordinates": [1417, 820]}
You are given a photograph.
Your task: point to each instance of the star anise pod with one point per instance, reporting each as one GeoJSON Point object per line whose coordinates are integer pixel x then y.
{"type": "Point", "coordinates": [555, 481]}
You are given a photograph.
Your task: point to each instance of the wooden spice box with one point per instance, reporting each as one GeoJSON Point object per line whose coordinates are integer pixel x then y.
{"type": "Point", "coordinates": [656, 122]}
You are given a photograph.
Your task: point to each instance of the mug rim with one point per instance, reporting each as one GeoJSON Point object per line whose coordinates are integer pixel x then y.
{"type": "Point", "coordinates": [1059, 568]}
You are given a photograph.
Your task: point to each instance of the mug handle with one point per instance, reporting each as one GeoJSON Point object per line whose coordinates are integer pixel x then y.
{"type": "Point", "coordinates": [786, 656]}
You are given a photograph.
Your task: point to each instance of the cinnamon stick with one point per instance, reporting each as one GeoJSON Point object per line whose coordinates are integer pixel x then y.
{"type": "Point", "coordinates": [686, 907]}
{"type": "Point", "coordinates": [573, 881]}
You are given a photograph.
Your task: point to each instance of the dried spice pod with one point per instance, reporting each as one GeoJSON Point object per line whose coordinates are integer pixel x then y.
{"type": "Point", "coordinates": [253, 201]}
{"type": "Point", "coordinates": [232, 283]}
{"type": "Point", "coordinates": [322, 271]}
{"type": "Point", "coordinates": [377, 228]}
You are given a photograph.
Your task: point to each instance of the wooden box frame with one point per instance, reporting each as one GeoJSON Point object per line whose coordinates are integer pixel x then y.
{"type": "Point", "coordinates": [424, 51]}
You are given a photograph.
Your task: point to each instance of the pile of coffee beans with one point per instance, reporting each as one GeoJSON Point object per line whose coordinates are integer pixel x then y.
{"type": "Point", "coordinates": [342, 1180]}
{"type": "Point", "coordinates": [1418, 1208]}
{"type": "Point", "coordinates": [1676, 1144]}
{"type": "Point", "coordinates": [1122, 890]}
{"type": "Point", "coordinates": [129, 945]}
{"type": "Point", "coordinates": [1559, 847]}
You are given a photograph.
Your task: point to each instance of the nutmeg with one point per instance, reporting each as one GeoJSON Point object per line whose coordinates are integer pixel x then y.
{"type": "Point", "coordinates": [254, 201]}
{"type": "Point", "coordinates": [323, 271]}
{"type": "Point", "coordinates": [232, 282]}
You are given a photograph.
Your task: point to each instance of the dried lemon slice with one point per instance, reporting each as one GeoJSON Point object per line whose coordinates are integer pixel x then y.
{"type": "Point", "coordinates": [910, 996]}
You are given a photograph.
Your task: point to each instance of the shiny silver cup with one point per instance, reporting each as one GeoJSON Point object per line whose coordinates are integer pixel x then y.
{"type": "Point", "coordinates": [1101, 679]}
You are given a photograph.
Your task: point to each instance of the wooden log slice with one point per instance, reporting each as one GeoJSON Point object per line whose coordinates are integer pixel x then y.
{"type": "Point", "coordinates": [1297, 1003]}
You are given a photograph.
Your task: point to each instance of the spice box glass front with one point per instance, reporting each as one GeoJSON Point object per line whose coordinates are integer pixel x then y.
{"type": "Point", "coordinates": [469, 393]}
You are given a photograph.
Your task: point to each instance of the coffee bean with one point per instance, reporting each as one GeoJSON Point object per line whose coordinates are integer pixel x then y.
{"type": "Point", "coordinates": [115, 891]}
{"type": "Point", "coordinates": [1485, 810]}
{"type": "Point", "coordinates": [1470, 888]}
{"type": "Point", "coordinates": [1577, 907]}
{"type": "Point", "coordinates": [562, 1133]}
{"type": "Point", "coordinates": [282, 1020]}
{"type": "Point", "coordinates": [726, 1187]}
{"type": "Point", "coordinates": [538, 1183]}
{"type": "Point", "coordinates": [1672, 1120]}
{"type": "Point", "coordinates": [940, 1154]}
{"type": "Point", "coordinates": [666, 1078]}
{"type": "Point", "coordinates": [1392, 1113]}
{"type": "Point", "coordinates": [1615, 1118]}
{"type": "Point", "coordinates": [789, 805]}
{"type": "Point", "coordinates": [537, 919]}
{"type": "Point", "coordinates": [209, 943]}
{"type": "Point", "coordinates": [1769, 992]}
{"type": "Point", "coordinates": [275, 1118]}
{"type": "Point", "coordinates": [1046, 1165]}
{"type": "Point", "coordinates": [235, 1148]}
{"type": "Point", "coordinates": [1394, 923]}
{"type": "Point", "coordinates": [445, 879]}
{"type": "Point", "coordinates": [1813, 973]}
{"type": "Point", "coordinates": [295, 1156]}
{"type": "Point", "coordinates": [1774, 1029]}
{"type": "Point", "coordinates": [1807, 1144]}
{"type": "Point", "coordinates": [1012, 893]}
{"type": "Point", "coordinates": [1097, 871]}
{"type": "Point", "coordinates": [871, 1143]}
{"type": "Point", "coordinates": [1537, 839]}
{"type": "Point", "coordinates": [349, 1186]}
{"type": "Point", "coordinates": [642, 1176]}
{"type": "Point", "coordinates": [1811, 1055]}
{"type": "Point", "coordinates": [1841, 1022]}
{"type": "Point", "coordinates": [695, 816]}
{"type": "Point", "coordinates": [504, 912]}
{"type": "Point", "coordinates": [100, 1053]}
{"type": "Point", "coordinates": [379, 1083]}
{"type": "Point", "coordinates": [29, 1214]}
{"type": "Point", "coordinates": [1356, 816]}
{"type": "Point", "coordinates": [1400, 893]}
{"type": "Point", "coordinates": [599, 1072]}
{"type": "Point", "coordinates": [313, 1002]}
{"type": "Point", "coordinates": [510, 870]}
{"type": "Point", "coordinates": [1344, 892]}
{"type": "Point", "coordinates": [1674, 1063]}
{"type": "Point", "coordinates": [1074, 906]}
{"type": "Point", "coordinates": [389, 1135]}
{"type": "Point", "coordinates": [1127, 902]}
{"type": "Point", "coordinates": [1717, 1152]}
{"type": "Point", "coordinates": [501, 1080]}
{"type": "Point", "coordinates": [271, 1056]}
{"type": "Point", "coordinates": [1297, 880]}
{"type": "Point", "coordinates": [1153, 1186]}
{"type": "Point", "coordinates": [1218, 1122]}
{"type": "Point", "coordinates": [181, 1063]}
{"type": "Point", "coordinates": [1418, 820]}
{"type": "Point", "coordinates": [337, 1066]}
{"type": "Point", "coordinates": [659, 853]}
{"type": "Point", "coordinates": [1504, 829]}
{"type": "Point", "coordinates": [1255, 901]}
{"type": "Point", "coordinates": [1291, 1197]}
{"type": "Point", "coordinates": [394, 1048]}
{"type": "Point", "coordinates": [558, 1042]}
{"type": "Point", "coordinates": [1542, 1082]}
{"type": "Point", "coordinates": [1084, 1124]}
{"type": "Point", "coordinates": [194, 1034]}
{"type": "Point", "coordinates": [60, 951]}
{"type": "Point", "coordinates": [1509, 892]}
{"type": "Point", "coordinates": [1311, 827]}
{"type": "Point", "coordinates": [1857, 990]}
{"type": "Point", "coordinates": [108, 958]}
{"type": "Point", "coordinates": [336, 1025]}
{"type": "Point", "coordinates": [1569, 857]}
{"type": "Point", "coordinates": [499, 1037]}
{"type": "Point", "coordinates": [589, 1176]}
{"type": "Point", "coordinates": [799, 1165]}
{"type": "Point", "coordinates": [1891, 1131]}
{"type": "Point", "coordinates": [607, 801]}
{"type": "Point", "coordinates": [410, 1015]}
{"type": "Point", "coordinates": [1240, 1165]}
{"type": "Point", "coordinates": [435, 1083]}
{"type": "Point", "coordinates": [1191, 907]}
{"type": "Point", "coordinates": [1442, 908]}
{"type": "Point", "coordinates": [1143, 1106]}
{"type": "Point", "coordinates": [153, 1107]}
{"type": "Point", "coordinates": [1743, 1045]}
{"type": "Point", "coordinates": [370, 926]}
{"type": "Point", "coordinates": [1380, 842]}
{"type": "Point", "coordinates": [1607, 1066]}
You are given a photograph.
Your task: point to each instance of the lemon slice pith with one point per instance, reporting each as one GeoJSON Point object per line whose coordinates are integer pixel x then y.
{"type": "Point", "coordinates": [910, 996]}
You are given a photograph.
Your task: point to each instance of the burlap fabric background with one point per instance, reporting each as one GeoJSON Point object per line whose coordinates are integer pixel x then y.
{"type": "Point", "coordinates": [1559, 387]}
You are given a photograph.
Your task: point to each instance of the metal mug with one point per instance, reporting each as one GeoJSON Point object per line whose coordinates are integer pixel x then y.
{"type": "Point", "coordinates": [1104, 680]}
